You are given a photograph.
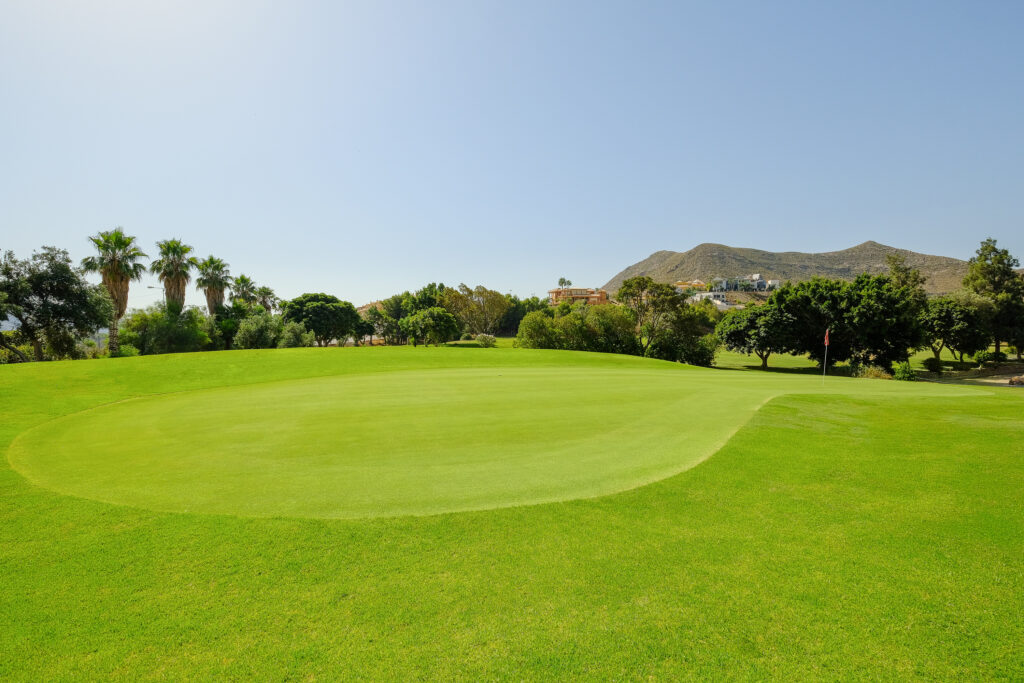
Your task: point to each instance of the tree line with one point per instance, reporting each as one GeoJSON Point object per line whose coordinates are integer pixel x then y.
{"type": "Point", "coordinates": [879, 320]}
{"type": "Point", "coordinates": [58, 311]}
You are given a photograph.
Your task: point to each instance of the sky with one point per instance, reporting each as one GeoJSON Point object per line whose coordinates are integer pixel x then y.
{"type": "Point", "coordinates": [366, 148]}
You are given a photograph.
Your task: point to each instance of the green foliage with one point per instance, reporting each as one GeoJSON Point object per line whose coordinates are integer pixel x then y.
{"type": "Point", "coordinates": [537, 331]}
{"type": "Point", "coordinates": [430, 326]}
{"type": "Point", "coordinates": [14, 348]}
{"type": "Point", "coordinates": [961, 322]}
{"type": "Point", "coordinates": [486, 341]}
{"type": "Point", "coordinates": [243, 289]}
{"type": "Point", "coordinates": [326, 316]}
{"type": "Point", "coordinates": [174, 269]}
{"type": "Point", "coordinates": [259, 331]}
{"type": "Point", "coordinates": [480, 310]}
{"type": "Point", "coordinates": [652, 304]}
{"type": "Point", "coordinates": [466, 336]}
{"type": "Point", "coordinates": [157, 330]}
{"type": "Point", "coordinates": [54, 305]}
{"type": "Point", "coordinates": [294, 335]}
{"type": "Point", "coordinates": [125, 351]}
{"type": "Point", "coordinates": [871, 321]}
{"type": "Point", "coordinates": [760, 330]}
{"type": "Point", "coordinates": [904, 372]}
{"type": "Point", "coordinates": [987, 357]}
{"type": "Point", "coordinates": [991, 273]}
{"type": "Point", "coordinates": [932, 364]}
{"type": "Point", "coordinates": [214, 277]}
{"type": "Point", "coordinates": [517, 310]}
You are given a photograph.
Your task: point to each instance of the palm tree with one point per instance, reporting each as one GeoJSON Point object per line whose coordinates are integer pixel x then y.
{"type": "Point", "coordinates": [243, 289]}
{"type": "Point", "coordinates": [118, 264]}
{"type": "Point", "coordinates": [174, 268]}
{"type": "Point", "coordinates": [267, 299]}
{"type": "Point", "coordinates": [213, 279]}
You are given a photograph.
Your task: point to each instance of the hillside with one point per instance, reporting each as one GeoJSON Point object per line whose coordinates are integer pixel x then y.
{"type": "Point", "coordinates": [706, 261]}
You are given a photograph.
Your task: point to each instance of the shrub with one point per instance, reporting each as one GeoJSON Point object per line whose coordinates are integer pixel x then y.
{"type": "Point", "coordinates": [125, 351]}
{"type": "Point", "coordinates": [260, 331]}
{"type": "Point", "coordinates": [870, 372]}
{"type": "Point", "coordinates": [487, 341]}
{"type": "Point", "coordinates": [293, 335]}
{"type": "Point", "coordinates": [156, 330]}
{"type": "Point", "coordinates": [466, 336]}
{"type": "Point", "coordinates": [993, 357]}
{"type": "Point", "coordinates": [933, 364]}
{"type": "Point", "coordinates": [537, 331]}
{"type": "Point", "coordinates": [904, 372]}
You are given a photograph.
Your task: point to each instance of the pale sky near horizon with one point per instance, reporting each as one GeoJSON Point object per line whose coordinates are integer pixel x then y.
{"type": "Point", "coordinates": [365, 148]}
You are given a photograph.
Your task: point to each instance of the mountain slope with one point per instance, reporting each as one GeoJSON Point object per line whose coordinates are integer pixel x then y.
{"type": "Point", "coordinates": [706, 261]}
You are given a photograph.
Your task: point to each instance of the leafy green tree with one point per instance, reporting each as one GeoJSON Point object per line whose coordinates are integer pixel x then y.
{"type": "Point", "coordinates": [243, 289]}
{"type": "Point", "coordinates": [885, 320]}
{"type": "Point", "coordinates": [385, 326]}
{"type": "Point", "coordinates": [52, 302]}
{"type": "Point", "coordinates": [811, 307]}
{"type": "Point", "coordinates": [961, 322]}
{"type": "Point", "coordinates": [537, 331]}
{"type": "Point", "coordinates": [325, 315]}
{"type": "Point", "coordinates": [613, 329]}
{"type": "Point", "coordinates": [363, 330]}
{"type": "Point", "coordinates": [517, 310]}
{"type": "Point", "coordinates": [118, 263]}
{"type": "Point", "coordinates": [261, 330]}
{"type": "Point", "coordinates": [174, 269]}
{"type": "Point", "coordinates": [760, 330]}
{"type": "Point", "coordinates": [294, 335]}
{"type": "Point", "coordinates": [479, 309]}
{"type": "Point", "coordinates": [431, 326]}
{"type": "Point", "coordinates": [652, 304]}
{"type": "Point", "coordinates": [991, 273]}
{"type": "Point", "coordinates": [686, 335]}
{"type": "Point", "coordinates": [214, 277]}
{"type": "Point", "coordinates": [158, 330]}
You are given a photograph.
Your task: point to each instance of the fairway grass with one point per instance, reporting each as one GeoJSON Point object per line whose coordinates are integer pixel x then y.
{"type": "Point", "coordinates": [856, 529]}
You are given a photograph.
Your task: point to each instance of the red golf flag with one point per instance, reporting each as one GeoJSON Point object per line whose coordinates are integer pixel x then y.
{"type": "Point", "coordinates": [826, 337]}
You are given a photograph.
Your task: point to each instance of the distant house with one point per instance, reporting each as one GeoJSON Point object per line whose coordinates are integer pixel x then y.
{"type": "Point", "coordinates": [573, 294]}
{"type": "Point", "coordinates": [681, 285]}
{"type": "Point", "coordinates": [717, 298]}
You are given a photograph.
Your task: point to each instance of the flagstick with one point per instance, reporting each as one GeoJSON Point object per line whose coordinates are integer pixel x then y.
{"type": "Point", "coordinates": [824, 367]}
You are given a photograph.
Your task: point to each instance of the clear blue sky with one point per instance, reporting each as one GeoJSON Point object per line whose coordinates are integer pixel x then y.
{"type": "Point", "coordinates": [363, 148]}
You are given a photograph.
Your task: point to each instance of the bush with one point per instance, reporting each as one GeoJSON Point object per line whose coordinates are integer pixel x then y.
{"type": "Point", "coordinates": [933, 364]}
{"type": "Point", "coordinates": [868, 372]}
{"type": "Point", "coordinates": [125, 351]}
{"type": "Point", "coordinates": [294, 335]}
{"type": "Point", "coordinates": [466, 336]}
{"type": "Point", "coordinates": [260, 331]}
{"type": "Point", "coordinates": [487, 341]}
{"type": "Point", "coordinates": [156, 330]}
{"type": "Point", "coordinates": [992, 357]}
{"type": "Point", "coordinates": [904, 372]}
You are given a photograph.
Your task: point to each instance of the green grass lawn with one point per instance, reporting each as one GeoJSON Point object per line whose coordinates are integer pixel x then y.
{"type": "Point", "coordinates": [501, 513]}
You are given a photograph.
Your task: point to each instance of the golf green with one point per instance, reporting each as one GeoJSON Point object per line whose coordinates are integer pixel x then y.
{"type": "Point", "coordinates": [373, 444]}
{"type": "Point", "coordinates": [417, 440]}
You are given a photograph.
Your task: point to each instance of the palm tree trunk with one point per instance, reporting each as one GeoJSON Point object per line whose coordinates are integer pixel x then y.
{"type": "Point", "coordinates": [113, 346]}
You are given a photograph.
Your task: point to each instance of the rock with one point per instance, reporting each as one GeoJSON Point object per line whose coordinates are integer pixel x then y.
{"type": "Point", "coordinates": [1017, 381]}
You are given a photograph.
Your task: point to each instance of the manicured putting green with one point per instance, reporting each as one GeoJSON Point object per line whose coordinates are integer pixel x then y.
{"type": "Point", "coordinates": [385, 444]}
{"type": "Point", "coordinates": [418, 439]}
